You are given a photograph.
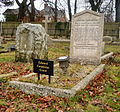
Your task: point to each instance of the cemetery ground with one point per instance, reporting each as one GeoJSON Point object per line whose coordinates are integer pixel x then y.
{"type": "Point", "coordinates": [101, 94]}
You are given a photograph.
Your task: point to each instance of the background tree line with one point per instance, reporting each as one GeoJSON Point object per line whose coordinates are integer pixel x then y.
{"type": "Point", "coordinates": [102, 6]}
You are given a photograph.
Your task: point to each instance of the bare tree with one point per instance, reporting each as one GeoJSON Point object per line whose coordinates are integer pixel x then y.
{"type": "Point", "coordinates": [69, 10]}
{"type": "Point", "coordinates": [117, 9]}
{"type": "Point", "coordinates": [102, 6]}
{"type": "Point", "coordinates": [7, 2]}
{"type": "Point", "coordinates": [96, 5]}
{"type": "Point", "coordinates": [55, 11]}
{"type": "Point", "coordinates": [22, 8]}
{"type": "Point", "coordinates": [54, 7]}
{"type": "Point", "coordinates": [108, 10]}
{"type": "Point", "coordinates": [75, 7]}
{"type": "Point", "coordinates": [31, 12]}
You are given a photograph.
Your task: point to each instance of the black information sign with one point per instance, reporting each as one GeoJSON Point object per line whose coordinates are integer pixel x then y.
{"type": "Point", "coordinates": [43, 67]}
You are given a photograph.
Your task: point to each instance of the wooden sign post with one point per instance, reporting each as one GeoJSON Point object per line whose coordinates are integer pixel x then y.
{"type": "Point", "coordinates": [43, 67]}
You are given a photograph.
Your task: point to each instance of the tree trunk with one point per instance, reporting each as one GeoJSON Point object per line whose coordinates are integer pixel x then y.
{"type": "Point", "coordinates": [32, 15]}
{"type": "Point", "coordinates": [55, 11]}
{"type": "Point", "coordinates": [75, 7]}
{"type": "Point", "coordinates": [22, 9]}
{"type": "Point", "coordinates": [117, 6]}
{"type": "Point", "coordinates": [69, 10]}
{"type": "Point", "coordinates": [95, 6]}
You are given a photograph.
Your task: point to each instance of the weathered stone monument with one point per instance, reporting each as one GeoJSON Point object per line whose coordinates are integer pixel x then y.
{"type": "Point", "coordinates": [86, 37]}
{"type": "Point", "coordinates": [31, 42]}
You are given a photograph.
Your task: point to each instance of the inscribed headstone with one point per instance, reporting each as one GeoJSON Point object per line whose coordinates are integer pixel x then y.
{"type": "Point", "coordinates": [31, 42]}
{"type": "Point", "coordinates": [86, 37]}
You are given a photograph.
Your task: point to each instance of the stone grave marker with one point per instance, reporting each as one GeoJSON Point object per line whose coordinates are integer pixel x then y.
{"type": "Point", "coordinates": [31, 42]}
{"type": "Point", "coordinates": [86, 37]}
{"type": "Point", "coordinates": [46, 21]}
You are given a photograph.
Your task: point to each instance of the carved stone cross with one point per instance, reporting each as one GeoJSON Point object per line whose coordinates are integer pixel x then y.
{"type": "Point", "coordinates": [46, 21]}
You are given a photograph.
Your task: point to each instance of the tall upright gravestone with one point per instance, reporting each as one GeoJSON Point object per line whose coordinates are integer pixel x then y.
{"type": "Point", "coordinates": [31, 42]}
{"type": "Point", "coordinates": [86, 37]}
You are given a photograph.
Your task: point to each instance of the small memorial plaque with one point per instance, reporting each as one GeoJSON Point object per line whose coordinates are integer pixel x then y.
{"type": "Point", "coordinates": [43, 66]}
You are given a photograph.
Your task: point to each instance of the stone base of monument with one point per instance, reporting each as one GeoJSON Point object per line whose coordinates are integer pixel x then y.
{"type": "Point", "coordinates": [32, 88]}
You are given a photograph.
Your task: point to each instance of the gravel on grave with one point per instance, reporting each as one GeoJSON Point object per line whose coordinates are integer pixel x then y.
{"type": "Point", "coordinates": [76, 72]}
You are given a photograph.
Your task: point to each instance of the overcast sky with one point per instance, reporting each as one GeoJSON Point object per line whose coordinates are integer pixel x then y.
{"type": "Point", "coordinates": [39, 5]}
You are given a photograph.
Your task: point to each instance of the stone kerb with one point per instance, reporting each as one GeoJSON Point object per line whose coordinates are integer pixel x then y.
{"type": "Point", "coordinates": [86, 37]}
{"type": "Point", "coordinates": [31, 42]}
{"type": "Point", "coordinates": [31, 88]}
{"type": "Point", "coordinates": [107, 56]}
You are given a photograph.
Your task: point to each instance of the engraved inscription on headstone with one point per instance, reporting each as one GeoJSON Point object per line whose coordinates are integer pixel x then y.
{"type": "Point", "coordinates": [86, 37]}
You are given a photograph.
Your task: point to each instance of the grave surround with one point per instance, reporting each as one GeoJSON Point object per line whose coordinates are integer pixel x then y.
{"type": "Point", "coordinates": [30, 88]}
{"type": "Point", "coordinates": [86, 37]}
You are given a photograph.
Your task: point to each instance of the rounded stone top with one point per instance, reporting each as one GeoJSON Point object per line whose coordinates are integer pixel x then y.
{"type": "Point", "coordinates": [35, 28]}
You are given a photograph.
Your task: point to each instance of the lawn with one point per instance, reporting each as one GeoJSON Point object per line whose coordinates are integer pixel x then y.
{"type": "Point", "coordinates": [54, 51]}
{"type": "Point", "coordinates": [101, 95]}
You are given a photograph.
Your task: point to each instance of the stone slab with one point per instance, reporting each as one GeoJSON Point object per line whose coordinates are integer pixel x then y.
{"type": "Point", "coordinates": [107, 56]}
{"type": "Point", "coordinates": [86, 37]}
{"type": "Point", "coordinates": [9, 74]}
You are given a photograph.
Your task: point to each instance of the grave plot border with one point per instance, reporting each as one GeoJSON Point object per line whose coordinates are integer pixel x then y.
{"type": "Point", "coordinates": [30, 88]}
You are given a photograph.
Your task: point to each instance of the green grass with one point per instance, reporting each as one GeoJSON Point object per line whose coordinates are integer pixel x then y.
{"type": "Point", "coordinates": [2, 102]}
{"type": "Point", "coordinates": [7, 57]}
{"type": "Point", "coordinates": [55, 50]}
{"type": "Point", "coordinates": [101, 95]}
{"type": "Point", "coordinates": [112, 48]}
{"type": "Point", "coordinates": [8, 44]}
